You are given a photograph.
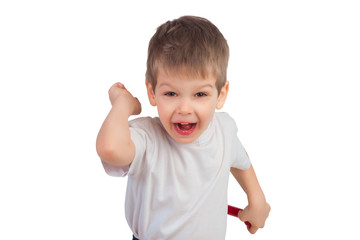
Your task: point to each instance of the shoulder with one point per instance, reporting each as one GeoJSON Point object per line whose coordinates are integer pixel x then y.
{"type": "Point", "coordinates": [147, 126]}
{"type": "Point", "coordinates": [145, 123]}
{"type": "Point", "coordinates": [225, 121]}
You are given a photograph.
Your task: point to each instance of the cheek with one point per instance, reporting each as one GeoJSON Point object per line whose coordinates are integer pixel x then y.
{"type": "Point", "coordinates": [164, 109]}
{"type": "Point", "coordinates": [206, 110]}
{"type": "Point", "coordinates": [210, 105]}
{"type": "Point", "coordinates": [207, 115]}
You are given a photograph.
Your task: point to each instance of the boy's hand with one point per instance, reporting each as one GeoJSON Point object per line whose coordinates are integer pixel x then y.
{"type": "Point", "coordinates": [256, 215]}
{"type": "Point", "coordinates": [118, 94]}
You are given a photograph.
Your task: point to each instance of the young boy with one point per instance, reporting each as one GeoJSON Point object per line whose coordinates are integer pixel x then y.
{"type": "Point", "coordinates": [178, 164]}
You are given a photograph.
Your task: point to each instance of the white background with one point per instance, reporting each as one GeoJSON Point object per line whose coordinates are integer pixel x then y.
{"type": "Point", "coordinates": [294, 92]}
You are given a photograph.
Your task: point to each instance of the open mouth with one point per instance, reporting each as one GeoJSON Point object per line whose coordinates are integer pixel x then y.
{"type": "Point", "coordinates": [185, 128]}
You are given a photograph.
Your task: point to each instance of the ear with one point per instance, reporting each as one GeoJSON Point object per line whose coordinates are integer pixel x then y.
{"type": "Point", "coordinates": [222, 96]}
{"type": "Point", "coordinates": [151, 93]}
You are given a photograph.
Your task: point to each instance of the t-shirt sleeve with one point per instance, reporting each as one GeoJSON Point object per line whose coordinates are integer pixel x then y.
{"type": "Point", "coordinates": [115, 171]}
{"type": "Point", "coordinates": [139, 138]}
{"type": "Point", "coordinates": [240, 157]}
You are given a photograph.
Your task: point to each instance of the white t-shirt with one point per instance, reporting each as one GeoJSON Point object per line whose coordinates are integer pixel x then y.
{"type": "Point", "coordinates": [179, 191]}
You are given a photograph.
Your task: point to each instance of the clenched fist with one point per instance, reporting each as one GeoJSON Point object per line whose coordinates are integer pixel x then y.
{"type": "Point", "coordinates": [120, 96]}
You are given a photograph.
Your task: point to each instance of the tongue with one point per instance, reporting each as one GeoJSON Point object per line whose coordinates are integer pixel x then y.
{"type": "Point", "coordinates": [185, 127]}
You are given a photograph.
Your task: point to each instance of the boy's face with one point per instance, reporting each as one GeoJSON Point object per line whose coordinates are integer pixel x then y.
{"type": "Point", "coordinates": [185, 105]}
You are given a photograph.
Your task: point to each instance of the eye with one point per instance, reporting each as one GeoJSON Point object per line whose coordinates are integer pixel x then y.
{"type": "Point", "coordinates": [200, 94]}
{"type": "Point", "coordinates": [170, 94]}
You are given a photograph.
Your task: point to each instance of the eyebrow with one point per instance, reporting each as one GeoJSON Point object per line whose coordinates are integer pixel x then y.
{"type": "Point", "coordinates": [207, 85]}
{"type": "Point", "coordinates": [164, 84]}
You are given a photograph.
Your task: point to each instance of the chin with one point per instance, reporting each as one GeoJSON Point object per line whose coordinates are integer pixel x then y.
{"type": "Point", "coordinates": [184, 140]}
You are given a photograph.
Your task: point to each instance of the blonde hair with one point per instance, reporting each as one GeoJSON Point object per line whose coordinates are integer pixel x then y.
{"type": "Point", "coordinates": [188, 45]}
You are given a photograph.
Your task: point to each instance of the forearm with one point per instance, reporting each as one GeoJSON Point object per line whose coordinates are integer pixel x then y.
{"type": "Point", "coordinates": [114, 143]}
{"type": "Point", "coordinates": [258, 209]}
{"type": "Point", "coordinates": [250, 184]}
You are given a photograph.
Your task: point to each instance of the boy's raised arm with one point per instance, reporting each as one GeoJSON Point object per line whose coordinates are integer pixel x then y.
{"type": "Point", "coordinates": [114, 144]}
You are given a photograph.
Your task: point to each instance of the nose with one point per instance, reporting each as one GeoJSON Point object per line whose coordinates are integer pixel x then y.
{"type": "Point", "coordinates": [185, 107]}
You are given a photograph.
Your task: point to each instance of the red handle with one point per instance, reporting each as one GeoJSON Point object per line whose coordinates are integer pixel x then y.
{"type": "Point", "coordinates": [234, 211]}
